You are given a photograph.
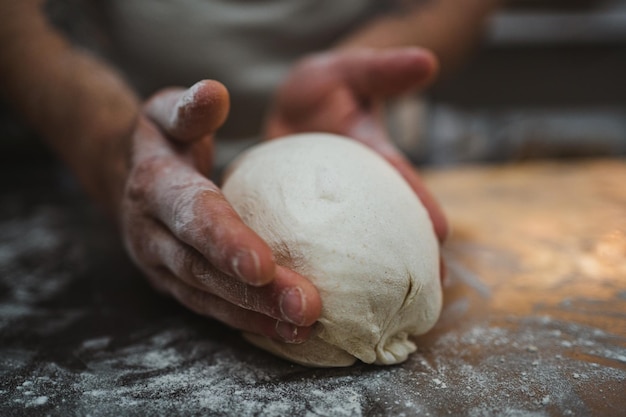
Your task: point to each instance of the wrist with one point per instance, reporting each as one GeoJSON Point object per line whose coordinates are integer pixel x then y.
{"type": "Point", "coordinates": [107, 180]}
{"type": "Point", "coordinates": [96, 140]}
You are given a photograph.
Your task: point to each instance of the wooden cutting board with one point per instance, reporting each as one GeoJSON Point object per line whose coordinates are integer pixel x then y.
{"type": "Point", "coordinates": [535, 300]}
{"type": "Point", "coordinates": [534, 320]}
{"type": "Point", "coordinates": [540, 237]}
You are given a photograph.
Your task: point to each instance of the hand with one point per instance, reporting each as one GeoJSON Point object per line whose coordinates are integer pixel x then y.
{"type": "Point", "coordinates": [342, 92]}
{"type": "Point", "coordinates": [188, 240]}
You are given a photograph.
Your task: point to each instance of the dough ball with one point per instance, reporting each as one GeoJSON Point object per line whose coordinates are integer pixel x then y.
{"type": "Point", "coordinates": [339, 214]}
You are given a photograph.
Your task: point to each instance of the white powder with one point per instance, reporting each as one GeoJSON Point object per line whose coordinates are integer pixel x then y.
{"type": "Point", "coordinates": [33, 252]}
{"type": "Point", "coordinates": [176, 371]}
{"type": "Point", "coordinates": [178, 365]}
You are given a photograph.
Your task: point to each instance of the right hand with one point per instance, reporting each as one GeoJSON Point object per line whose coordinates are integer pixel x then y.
{"type": "Point", "coordinates": [343, 92]}
{"type": "Point", "coordinates": [185, 236]}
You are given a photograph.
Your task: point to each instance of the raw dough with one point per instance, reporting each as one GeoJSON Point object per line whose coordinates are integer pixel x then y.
{"type": "Point", "coordinates": [339, 214]}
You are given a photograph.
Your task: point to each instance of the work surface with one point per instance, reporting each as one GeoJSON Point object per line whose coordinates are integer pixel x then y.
{"type": "Point", "coordinates": [534, 321]}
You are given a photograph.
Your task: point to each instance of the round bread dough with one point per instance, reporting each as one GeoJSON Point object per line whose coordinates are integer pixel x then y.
{"type": "Point", "coordinates": [339, 214]}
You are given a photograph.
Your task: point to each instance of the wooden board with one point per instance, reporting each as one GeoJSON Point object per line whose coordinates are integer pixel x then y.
{"type": "Point", "coordinates": [533, 323]}
{"type": "Point", "coordinates": [536, 289]}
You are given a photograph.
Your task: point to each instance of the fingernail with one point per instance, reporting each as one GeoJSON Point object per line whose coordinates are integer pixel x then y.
{"type": "Point", "coordinates": [247, 267]}
{"type": "Point", "coordinates": [288, 332]}
{"type": "Point", "coordinates": [292, 305]}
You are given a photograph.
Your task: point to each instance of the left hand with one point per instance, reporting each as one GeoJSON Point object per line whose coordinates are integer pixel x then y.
{"type": "Point", "coordinates": [343, 92]}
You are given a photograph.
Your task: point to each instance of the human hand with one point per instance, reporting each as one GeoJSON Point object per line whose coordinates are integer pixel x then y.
{"type": "Point", "coordinates": [343, 92]}
{"type": "Point", "coordinates": [185, 236]}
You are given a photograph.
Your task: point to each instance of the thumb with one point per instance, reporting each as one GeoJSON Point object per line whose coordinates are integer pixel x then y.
{"type": "Point", "coordinates": [187, 115]}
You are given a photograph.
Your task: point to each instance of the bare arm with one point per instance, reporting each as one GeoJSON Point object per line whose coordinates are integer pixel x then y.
{"type": "Point", "coordinates": [78, 104]}
{"type": "Point", "coordinates": [139, 162]}
{"type": "Point", "coordinates": [448, 28]}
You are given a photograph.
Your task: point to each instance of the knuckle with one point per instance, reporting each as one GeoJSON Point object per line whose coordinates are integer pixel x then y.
{"type": "Point", "coordinates": [142, 176]}
{"type": "Point", "coordinates": [197, 267]}
{"type": "Point", "coordinates": [184, 222]}
{"type": "Point", "coordinates": [141, 242]}
{"type": "Point", "coordinates": [197, 215]}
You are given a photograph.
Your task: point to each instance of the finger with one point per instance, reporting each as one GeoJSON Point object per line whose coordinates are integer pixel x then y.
{"type": "Point", "coordinates": [189, 115]}
{"type": "Point", "coordinates": [192, 207]}
{"type": "Point", "coordinates": [289, 297]}
{"type": "Point", "coordinates": [387, 73]}
{"type": "Point", "coordinates": [437, 216]}
{"type": "Point", "coordinates": [196, 212]}
{"type": "Point", "coordinates": [329, 91]}
{"type": "Point", "coordinates": [213, 306]}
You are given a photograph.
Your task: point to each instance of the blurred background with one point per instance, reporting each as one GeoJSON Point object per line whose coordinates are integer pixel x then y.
{"type": "Point", "coordinates": [546, 81]}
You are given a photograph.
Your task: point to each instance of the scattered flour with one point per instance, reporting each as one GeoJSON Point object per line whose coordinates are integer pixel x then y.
{"type": "Point", "coordinates": [119, 349]}
{"type": "Point", "coordinates": [179, 372]}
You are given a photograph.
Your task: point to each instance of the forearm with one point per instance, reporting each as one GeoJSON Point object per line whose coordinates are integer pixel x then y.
{"type": "Point", "coordinates": [75, 102]}
{"type": "Point", "coordinates": [449, 28]}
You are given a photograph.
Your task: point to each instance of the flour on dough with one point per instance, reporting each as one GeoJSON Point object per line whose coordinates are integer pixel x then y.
{"type": "Point", "coordinates": [339, 214]}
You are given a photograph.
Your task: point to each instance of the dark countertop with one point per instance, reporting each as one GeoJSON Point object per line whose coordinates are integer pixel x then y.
{"type": "Point", "coordinates": [81, 333]}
